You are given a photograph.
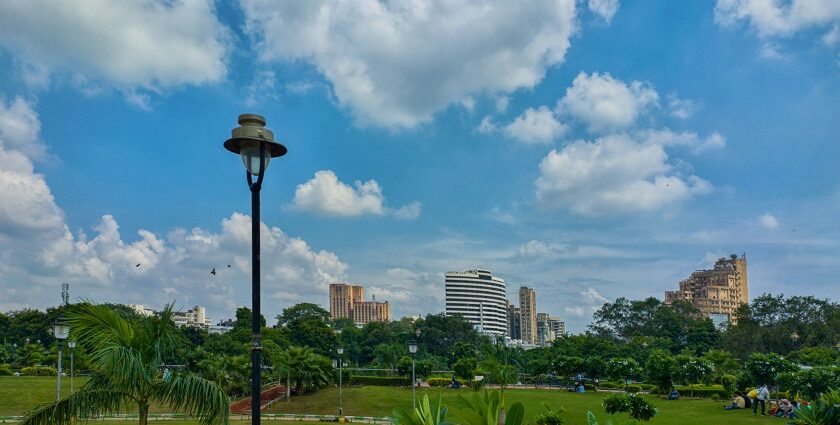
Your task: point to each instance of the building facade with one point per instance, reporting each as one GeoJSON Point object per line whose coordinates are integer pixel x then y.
{"type": "Point", "coordinates": [557, 326]}
{"type": "Point", "coordinates": [514, 322]}
{"type": "Point", "coordinates": [528, 314]}
{"type": "Point", "coordinates": [347, 301]}
{"type": "Point", "coordinates": [480, 298]}
{"type": "Point", "coordinates": [718, 292]}
{"type": "Point", "coordinates": [195, 317]}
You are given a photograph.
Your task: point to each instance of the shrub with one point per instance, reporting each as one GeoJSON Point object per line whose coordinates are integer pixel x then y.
{"type": "Point", "coordinates": [39, 371]}
{"type": "Point", "coordinates": [439, 382]}
{"type": "Point", "coordinates": [549, 417]}
{"type": "Point", "coordinates": [6, 370]}
{"type": "Point", "coordinates": [638, 408]}
{"type": "Point", "coordinates": [729, 383]}
{"type": "Point", "coordinates": [703, 391]}
{"type": "Point", "coordinates": [380, 381]}
{"type": "Point", "coordinates": [634, 389]}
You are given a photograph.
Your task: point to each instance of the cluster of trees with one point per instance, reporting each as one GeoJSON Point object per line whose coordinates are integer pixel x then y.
{"type": "Point", "coordinates": [628, 340]}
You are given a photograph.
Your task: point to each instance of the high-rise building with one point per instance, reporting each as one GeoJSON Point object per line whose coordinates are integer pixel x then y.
{"type": "Point", "coordinates": [528, 314]}
{"type": "Point", "coordinates": [342, 298]}
{"type": "Point", "coordinates": [557, 325]}
{"type": "Point", "coordinates": [718, 292]}
{"type": "Point", "coordinates": [480, 298]}
{"type": "Point", "coordinates": [549, 328]}
{"type": "Point", "coordinates": [514, 324]}
{"type": "Point", "coordinates": [347, 301]}
{"type": "Point", "coordinates": [195, 317]}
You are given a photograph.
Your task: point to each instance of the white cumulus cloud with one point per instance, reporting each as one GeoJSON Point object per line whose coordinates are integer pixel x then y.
{"type": "Point", "coordinates": [133, 45]}
{"type": "Point", "coordinates": [604, 8]}
{"type": "Point", "coordinates": [613, 175]}
{"type": "Point", "coordinates": [535, 126]}
{"type": "Point", "coordinates": [605, 103]}
{"type": "Point", "coordinates": [325, 194]}
{"type": "Point", "coordinates": [395, 63]}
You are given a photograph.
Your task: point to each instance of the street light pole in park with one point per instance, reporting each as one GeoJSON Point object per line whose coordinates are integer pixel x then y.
{"type": "Point", "coordinates": [61, 330]}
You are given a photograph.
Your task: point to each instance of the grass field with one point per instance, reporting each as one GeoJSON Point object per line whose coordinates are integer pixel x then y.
{"type": "Point", "coordinates": [19, 394]}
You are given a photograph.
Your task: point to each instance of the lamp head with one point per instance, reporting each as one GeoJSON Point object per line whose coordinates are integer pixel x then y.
{"type": "Point", "coordinates": [412, 346]}
{"type": "Point", "coordinates": [71, 344]}
{"type": "Point", "coordinates": [246, 140]}
{"type": "Point", "coordinates": [340, 350]}
{"type": "Point", "coordinates": [61, 329]}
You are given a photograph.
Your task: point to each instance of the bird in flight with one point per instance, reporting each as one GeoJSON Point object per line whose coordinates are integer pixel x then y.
{"type": "Point", "coordinates": [138, 265]}
{"type": "Point", "coordinates": [213, 272]}
{"type": "Point", "coordinates": [228, 265]}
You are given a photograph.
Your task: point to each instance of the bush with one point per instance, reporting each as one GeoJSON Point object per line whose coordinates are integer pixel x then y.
{"type": "Point", "coordinates": [549, 417]}
{"type": "Point", "coordinates": [39, 371]}
{"type": "Point", "coordinates": [634, 389]}
{"type": "Point", "coordinates": [6, 370]}
{"type": "Point", "coordinates": [638, 408]}
{"type": "Point", "coordinates": [729, 383]}
{"type": "Point", "coordinates": [381, 381]}
{"type": "Point", "coordinates": [702, 391]}
{"type": "Point", "coordinates": [439, 382]}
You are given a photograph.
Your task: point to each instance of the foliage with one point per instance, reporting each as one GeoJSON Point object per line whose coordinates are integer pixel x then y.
{"type": "Point", "coordinates": [636, 406]}
{"type": "Point", "coordinates": [303, 367]}
{"type": "Point", "coordinates": [692, 370]}
{"type": "Point", "coordinates": [766, 368]}
{"type": "Point", "coordinates": [549, 417]}
{"type": "Point", "coordinates": [728, 382]}
{"type": "Point", "coordinates": [39, 371]}
{"type": "Point", "coordinates": [486, 408]}
{"type": "Point", "coordinates": [811, 383]}
{"type": "Point", "coordinates": [816, 356]}
{"type": "Point", "coordinates": [382, 381]}
{"type": "Point", "coordinates": [424, 414]}
{"type": "Point", "coordinates": [623, 368]}
{"type": "Point", "coordinates": [465, 368]}
{"type": "Point", "coordinates": [231, 373]}
{"type": "Point", "coordinates": [6, 370]}
{"type": "Point", "coordinates": [824, 411]}
{"type": "Point", "coordinates": [661, 368]}
{"type": "Point", "coordinates": [568, 365]}
{"type": "Point", "coordinates": [126, 357]}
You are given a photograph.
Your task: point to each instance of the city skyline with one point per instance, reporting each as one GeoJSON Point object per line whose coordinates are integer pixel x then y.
{"type": "Point", "coordinates": [587, 149]}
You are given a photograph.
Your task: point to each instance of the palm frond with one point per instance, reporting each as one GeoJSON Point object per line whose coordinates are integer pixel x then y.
{"type": "Point", "coordinates": [96, 326]}
{"type": "Point", "coordinates": [83, 404]}
{"type": "Point", "coordinates": [194, 396]}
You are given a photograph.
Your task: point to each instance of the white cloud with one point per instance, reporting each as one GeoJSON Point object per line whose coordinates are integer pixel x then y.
{"type": "Point", "coordinates": [604, 8]}
{"type": "Point", "coordinates": [604, 103]}
{"type": "Point", "coordinates": [592, 296]}
{"type": "Point", "coordinates": [774, 18]}
{"type": "Point", "coordinates": [505, 217]}
{"type": "Point", "coordinates": [768, 221]}
{"type": "Point", "coordinates": [408, 212]}
{"type": "Point", "coordinates": [146, 45]}
{"type": "Point", "coordinates": [487, 126]}
{"type": "Point", "coordinates": [325, 195]}
{"type": "Point", "coordinates": [535, 126]}
{"type": "Point", "coordinates": [681, 108]}
{"type": "Point", "coordinates": [613, 175]}
{"type": "Point", "coordinates": [666, 137]}
{"type": "Point", "coordinates": [534, 249]}
{"type": "Point", "coordinates": [771, 51]}
{"type": "Point", "coordinates": [502, 104]}
{"type": "Point", "coordinates": [395, 64]}
{"type": "Point", "coordinates": [575, 311]}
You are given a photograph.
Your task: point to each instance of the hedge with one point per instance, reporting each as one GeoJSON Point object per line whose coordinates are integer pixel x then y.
{"type": "Point", "coordinates": [381, 381]}
{"type": "Point", "coordinates": [6, 370]}
{"type": "Point", "coordinates": [702, 391]}
{"type": "Point", "coordinates": [39, 371]}
{"type": "Point", "coordinates": [633, 388]}
{"type": "Point", "coordinates": [439, 382]}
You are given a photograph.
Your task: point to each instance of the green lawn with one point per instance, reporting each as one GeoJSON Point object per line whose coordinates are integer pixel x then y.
{"type": "Point", "coordinates": [19, 394]}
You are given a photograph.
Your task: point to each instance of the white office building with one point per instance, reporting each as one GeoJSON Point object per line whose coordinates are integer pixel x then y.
{"type": "Point", "coordinates": [479, 297]}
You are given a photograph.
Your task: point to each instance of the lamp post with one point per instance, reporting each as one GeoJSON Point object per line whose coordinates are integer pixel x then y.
{"type": "Point", "coordinates": [61, 330]}
{"type": "Point", "coordinates": [412, 348]}
{"type": "Point", "coordinates": [795, 338]}
{"type": "Point", "coordinates": [72, 345]}
{"type": "Point", "coordinates": [256, 146]}
{"type": "Point", "coordinates": [340, 351]}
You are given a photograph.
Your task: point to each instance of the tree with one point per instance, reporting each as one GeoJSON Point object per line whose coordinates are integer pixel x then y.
{"type": "Point", "coordinates": [661, 369]}
{"type": "Point", "coordinates": [568, 365]}
{"type": "Point", "coordinates": [766, 368]}
{"type": "Point", "coordinates": [693, 370]}
{"type": "Point", "coordinates": [304, 367]}
{"type": "Point", "coordinates": [723, 362]}
{"type": "Point", "coordinates": [624, 368]}
{"type": "Point", "coordinates": [303, 311]}
{"type": "Point", "coordinates": [387, 355]}
{"type": "Point", "coordinates": [308, 326]}
{"type": "Point", "coordinates": [594, 367]}
{"type": "Point", "coordinates": [465, 368]}
{"type": "Point", "coordinates": [126, 358]}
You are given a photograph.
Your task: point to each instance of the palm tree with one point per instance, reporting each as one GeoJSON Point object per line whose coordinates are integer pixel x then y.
{"type": "Point", "coordinates": [232, 373]}
{"type": "Point", "coordinates": [303, 366]}
{"type": "Point", "coordinates": [126, 357]}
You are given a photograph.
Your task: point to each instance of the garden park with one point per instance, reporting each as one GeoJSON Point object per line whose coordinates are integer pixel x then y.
{"type": "Point", "coordinates": [634, 353]}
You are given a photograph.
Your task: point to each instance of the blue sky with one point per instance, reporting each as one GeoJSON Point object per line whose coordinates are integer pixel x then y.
{"type": "Point", "coordinates": [589, 149]}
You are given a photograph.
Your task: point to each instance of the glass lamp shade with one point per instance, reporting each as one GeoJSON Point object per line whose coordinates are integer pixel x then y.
{"type": "Point", "coordinates": [61, 330]}
{"type": "Point", "coordinates": [412, 347]}
{"type": "Point", "coordinates": [340, 350]}
{"type": "Point", "coordinates": [250, 155]}
{"type": "Point", "coordinates": [71, 344]}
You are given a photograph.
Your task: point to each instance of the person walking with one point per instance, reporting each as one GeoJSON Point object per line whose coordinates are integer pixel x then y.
{"type": "Point", "coordinates": [762, 395]}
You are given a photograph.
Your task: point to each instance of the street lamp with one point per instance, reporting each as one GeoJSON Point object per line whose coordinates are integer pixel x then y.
{"type": "Point", "coordinates": [795, 338]}
{"type": "Point", "coordinates": [340, 351]}
{"type": "Point", "coordinates": [256, 146]}
{"type": "Point", "coordinates": [72, 345]}
{"type": "Point", "coordinates": [412, 348]}
{"type": "Point", "coordinates": [61, 330]}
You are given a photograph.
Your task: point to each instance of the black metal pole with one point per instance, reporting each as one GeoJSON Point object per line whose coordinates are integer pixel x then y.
{"type": "Point", "coordinates": [256, 344]}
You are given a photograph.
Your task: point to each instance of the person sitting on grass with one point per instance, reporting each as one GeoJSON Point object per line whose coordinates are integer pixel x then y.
{"type": "Point", "coordinates": [674, 395]}
{"type": "Point", "coordinates": [737, 403]}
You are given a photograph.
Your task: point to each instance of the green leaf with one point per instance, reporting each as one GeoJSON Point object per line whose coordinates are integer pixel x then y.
{"type": "Point", "coordinates": [515, 415]}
